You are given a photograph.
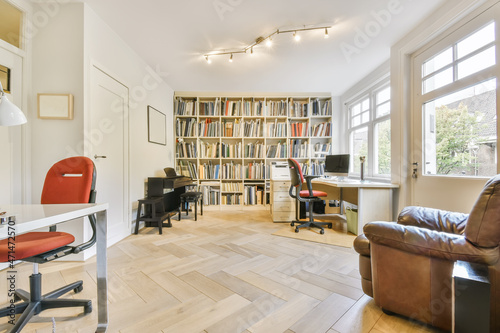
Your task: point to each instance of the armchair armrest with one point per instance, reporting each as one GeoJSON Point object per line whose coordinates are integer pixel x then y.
{"type": "Point", "coordinates": [433, 219]}
{"type": "Point", "coordinates": [429, 243]}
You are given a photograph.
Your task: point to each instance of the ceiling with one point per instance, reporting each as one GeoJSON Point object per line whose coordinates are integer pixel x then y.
{"type": "Point", "coordinates": [175, 35]}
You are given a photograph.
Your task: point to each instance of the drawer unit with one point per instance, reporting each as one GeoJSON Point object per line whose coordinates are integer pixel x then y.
{"type": "Point", "coordinates": [282, 205]}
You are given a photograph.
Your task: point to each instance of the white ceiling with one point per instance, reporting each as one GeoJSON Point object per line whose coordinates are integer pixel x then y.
{"type": "Point", "coordinates": [174, 35]}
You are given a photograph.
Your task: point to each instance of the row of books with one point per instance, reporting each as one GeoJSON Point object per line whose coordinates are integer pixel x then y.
{"type": "Point", "coordinates": [253, 195]}
{"type": "Point", "coordinates": [276, 108]}
{"type": "Point", "coordinates": [231, 171]}
{"type": "Point", "coordinates": [317, 168]}
{"type": "Point", "coordinates": [231, 199]}
{"type": "Point", "coordinates": [186, 150]}
{"type": "Point", "coordinates": [298, 109]}
{"type": "Point", "coordinates": [254, 150]}
{"type": "Point", "coordinates": [210, 150]}
{"type": "Point", "coordinates": [253, 109]}
{"type": "Point", "coordinates": [185, 127]}
{"type": "Point", "coordinates": [321, 110]}
{"type": "Point", "coordinates": [324, 148]}
{"type": "Point", "coordinates": [299, 129]}
{"type": "Point", "coordinates": [256, 170]}
{"type": "Point", "coordinates": [211, 195]}
{"type": "Point", "coordinates": [276, 130]}
{"type": "Point", "coordinates": [231, 150]}
{"type": "Point", "coordinates": [188, 169]}
{"type": "Point", "coordinates": [209, 128]}
{"type": "Point", "coordinates": [323, 129]}
{"type": "Point", "coordinates": [276, 151]}
{"type": "Point", "coordinates": [185, 107]}
{"type": "Point", "coordinates": [252, 129]}
{"type": "Point", "coordinates": [298, 148]}
{"type": "Point", "coordinates": [232, 187]}
{"type": "Point", "coordinates": [208, 171]}
{"type": "Point", "coordinates": [231, 129]}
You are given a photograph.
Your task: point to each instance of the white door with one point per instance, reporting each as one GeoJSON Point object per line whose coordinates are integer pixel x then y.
{"type": "Point", "coordinates": [108, 136]}
{"type": "Point", "coordinates": [455, 108]}
{"type": "Point", "coordinates": [11, 178]}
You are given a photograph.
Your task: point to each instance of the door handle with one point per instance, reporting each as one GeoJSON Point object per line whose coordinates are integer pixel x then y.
{"type": "Point", "coordinates": [99, 156]}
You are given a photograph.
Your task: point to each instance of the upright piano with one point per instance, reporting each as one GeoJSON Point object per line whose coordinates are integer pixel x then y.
{"type": "Point", "coordinates": [169, 187]}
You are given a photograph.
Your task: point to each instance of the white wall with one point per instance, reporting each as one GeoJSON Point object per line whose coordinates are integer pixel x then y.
{"type": "Point", "coordinates": [108, 51]}
{"type": "Point", "coordinates": [64, 49]}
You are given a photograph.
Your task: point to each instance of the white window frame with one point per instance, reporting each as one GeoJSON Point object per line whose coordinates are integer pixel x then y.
{"type": "Point", "coordinates": [370, 92]}
{"type": "Point", "coordinates": [451, 40]}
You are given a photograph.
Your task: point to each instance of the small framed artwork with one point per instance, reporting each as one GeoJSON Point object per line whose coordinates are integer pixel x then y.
{"type": "Point", "coordinates": [55, 106]}
{"type": "Point", "coordinates": [157, 126]}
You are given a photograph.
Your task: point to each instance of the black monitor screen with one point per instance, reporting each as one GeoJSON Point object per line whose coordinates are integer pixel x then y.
{"type": "Point", "coordinates": [337, 164]}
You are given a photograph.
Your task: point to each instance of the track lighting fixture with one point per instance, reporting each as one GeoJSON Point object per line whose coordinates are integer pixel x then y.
{"type": "Point", "coordinates": [267, 39]}
{"type": "Point", "coordinates": [296, 36]}
{"type": "Point", "coordinates": [208, 60]}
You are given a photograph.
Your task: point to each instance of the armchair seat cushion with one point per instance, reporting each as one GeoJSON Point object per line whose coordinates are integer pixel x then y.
{"type": "Point", "coordinates": [305, 193]}
{"type": "Point", "coordinates": [33, 243]}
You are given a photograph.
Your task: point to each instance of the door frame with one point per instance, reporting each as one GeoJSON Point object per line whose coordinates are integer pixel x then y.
{"type": "Point", "coordinates": [127, 211]}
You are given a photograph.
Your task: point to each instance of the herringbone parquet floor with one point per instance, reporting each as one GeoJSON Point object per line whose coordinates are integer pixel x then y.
{"type": "Point", "coordinates": [222, 273]}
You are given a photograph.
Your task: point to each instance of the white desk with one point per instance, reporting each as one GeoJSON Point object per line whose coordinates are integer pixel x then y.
{"type": "Point", "coordinates": [31, 217]}
{"type": "Point", "coordinates": [374, 199]}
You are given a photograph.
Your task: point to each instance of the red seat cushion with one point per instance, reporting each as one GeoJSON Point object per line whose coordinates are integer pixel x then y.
{"type": "Point", "coordinates": [33, 243]}
{"type": "Point", "coordinates": [305, 193]}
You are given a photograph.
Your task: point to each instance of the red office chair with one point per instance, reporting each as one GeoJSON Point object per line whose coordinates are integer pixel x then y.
{"type": "Point", "coordinates": [69, 181]}
{"type": "Point", "coordinates": [309, 195]}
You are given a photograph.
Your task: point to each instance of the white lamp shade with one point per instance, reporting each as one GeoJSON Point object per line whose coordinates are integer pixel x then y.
{"type": "Point", "coordinates": [10, 114]}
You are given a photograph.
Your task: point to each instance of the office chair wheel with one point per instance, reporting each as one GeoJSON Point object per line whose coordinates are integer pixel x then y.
{"type": "Point", "coordinates": [322, 231]}
{"type": "Point", "coordinates": [296, 229]}
{"type": "Point", "coordinates": [87, 309]}
{"type": "Point", "coordinates": [292, 224]}
{"type": "Point", "coordinates": [78, 289]}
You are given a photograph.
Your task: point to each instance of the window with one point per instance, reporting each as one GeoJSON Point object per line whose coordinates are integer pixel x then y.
{"type": "Point", "coordinates": [458, 103]}
{"type": "Point", "coordinates": [11, 20]}
{"type": "Point", "coordinates": [370, 131]}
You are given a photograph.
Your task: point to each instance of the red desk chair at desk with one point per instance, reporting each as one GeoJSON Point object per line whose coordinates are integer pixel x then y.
{"type": "Point", "coordinates": [69, 181]}
{"type": "Point", "coordinates": [309, 195]}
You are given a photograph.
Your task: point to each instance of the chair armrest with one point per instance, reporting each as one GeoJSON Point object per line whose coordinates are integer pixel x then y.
{"type": "Point", "coordinates": [433, 219]}
{"type": "Point", "coordinates": [429, 243]}
{"type": "Point", "coordinates": [308, 179]}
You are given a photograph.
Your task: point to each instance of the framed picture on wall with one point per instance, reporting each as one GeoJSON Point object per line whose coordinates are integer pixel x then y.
{"type": "Point", "coordinates": [157, 126]}
{"type": "Point", "coordinates": [55, 106]}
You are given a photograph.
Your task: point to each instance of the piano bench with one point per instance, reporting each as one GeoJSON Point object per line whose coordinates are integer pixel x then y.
{"type": "Point", "coordinates": [191, 197]}
{"type": "Point", "coordinates": [153, 216]}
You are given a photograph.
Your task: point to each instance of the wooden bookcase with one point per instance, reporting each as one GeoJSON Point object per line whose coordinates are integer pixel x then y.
{"type": "Point", "coordinates": [226, 143]}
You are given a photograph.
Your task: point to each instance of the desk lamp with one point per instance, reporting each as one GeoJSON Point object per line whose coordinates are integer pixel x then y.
{"type": "Point", "coordinates": [10, 114]}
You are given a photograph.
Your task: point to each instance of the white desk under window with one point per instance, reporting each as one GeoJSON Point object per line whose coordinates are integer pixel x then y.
{"type": "Point", "coordinates": [32, 217]}
{"type": "Point", "coordinates": [374, 199]}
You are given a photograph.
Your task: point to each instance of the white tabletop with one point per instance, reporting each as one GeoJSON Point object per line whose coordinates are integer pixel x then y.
{"type": "Point", "coordinates": [31, 217]}
{"type": "Point", "coordinates": [353, 183]}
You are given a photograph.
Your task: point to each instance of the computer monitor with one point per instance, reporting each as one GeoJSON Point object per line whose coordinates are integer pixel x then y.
{"type": "Point", "coordinates": [337, 165]}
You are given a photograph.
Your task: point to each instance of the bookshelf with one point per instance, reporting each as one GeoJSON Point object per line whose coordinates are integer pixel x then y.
{"type": "Point", "coordinates": [227, 143]}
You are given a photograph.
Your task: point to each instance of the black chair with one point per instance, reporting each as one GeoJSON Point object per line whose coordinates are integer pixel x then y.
{"type": "Point", "coordinates": [69, 181]}
{"type": "Point", "coordinates": [309, 195]}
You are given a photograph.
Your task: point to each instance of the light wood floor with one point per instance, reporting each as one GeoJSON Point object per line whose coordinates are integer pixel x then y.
{"type": "Point", "coordinates": [223, 273]}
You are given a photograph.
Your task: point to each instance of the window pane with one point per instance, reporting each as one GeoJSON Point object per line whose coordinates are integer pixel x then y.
{"type": "Point", "coordinates": [356, 121]}
{"type": "Point", "coordinates": [476, 63]}
{"type": "Point", "coordinates": [384, 109]}
{"type": "Point", "coordinates": [11, 20]}
{"type": "Point", "coordinates": [383, 95]}
{"type": "Point", "coordinates": [359, 147]}
{"type": "Point", "coordinates": [437, 62]}
{"type": "Point", "coordinates": [365, 117]}
{"type": "Point", "coordinates": [356, 109]}
{"type": "Point", "coordinates": [476, 40]}
{"type": "Point", "coordinates": [383, 148]}
{"type": "Point", "coordinates": [439, 80]}
{"type": "Point", "coordinates": [365, 105]}
{"type": "Point", "coordinates": [460, 132]}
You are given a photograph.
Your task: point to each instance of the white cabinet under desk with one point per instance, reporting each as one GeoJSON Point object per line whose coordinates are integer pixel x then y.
{"type": "Point", "coordinates": [282, 205]}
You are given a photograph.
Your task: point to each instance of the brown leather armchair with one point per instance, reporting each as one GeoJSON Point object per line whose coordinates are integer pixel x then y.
{"type": "Point", "coordinates": [407, 266]}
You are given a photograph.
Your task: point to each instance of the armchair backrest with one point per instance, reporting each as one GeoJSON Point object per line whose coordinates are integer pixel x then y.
{"type": "Point", "coordinates": [483, 225]}
{"type": "Point", "coordinates": [296, 176]}
{"type": "Point", "coordinates": [68, 181]}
